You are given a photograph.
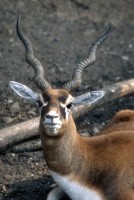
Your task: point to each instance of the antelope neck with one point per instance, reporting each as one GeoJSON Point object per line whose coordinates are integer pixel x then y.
{"type": "Point", "coordinates": [53, 148]}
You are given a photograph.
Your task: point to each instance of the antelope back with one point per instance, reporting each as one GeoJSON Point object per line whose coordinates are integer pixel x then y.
{"type": "Point", "coordinates": [122, 121]}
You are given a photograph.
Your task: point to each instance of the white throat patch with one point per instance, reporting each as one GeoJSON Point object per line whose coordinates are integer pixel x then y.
{"type": "Point", "coordinates": [74, 190]}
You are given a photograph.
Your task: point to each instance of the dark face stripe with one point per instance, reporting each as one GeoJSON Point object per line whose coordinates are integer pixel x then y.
{"type": "Point", "coordinates": [44, 111]}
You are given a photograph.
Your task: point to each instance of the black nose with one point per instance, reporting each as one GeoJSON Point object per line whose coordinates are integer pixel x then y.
{"type": "Point", "coordinates": [51, 116]}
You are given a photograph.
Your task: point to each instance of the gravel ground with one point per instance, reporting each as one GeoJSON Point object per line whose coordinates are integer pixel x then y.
{"type": "Point", "coordinates": [61, 32]}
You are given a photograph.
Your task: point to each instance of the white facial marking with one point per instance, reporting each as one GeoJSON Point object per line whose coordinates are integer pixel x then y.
{"type": "Point", "coordinates": [53, 113]}
{"type": "Point", "coordinates": [67, 113]}
{"type": "Point", "coordinates": [69, 99]}
{"type": "Point", "coordinates": [74, 190]}
{"type": "Point", "coordinates": [45, 103]}
{"type": "Point", "coordinates": [63, 105]}
{"type": "Point", "coordinates": [52, 122]}
{"type": "Point", "coordinates": [66, 110]}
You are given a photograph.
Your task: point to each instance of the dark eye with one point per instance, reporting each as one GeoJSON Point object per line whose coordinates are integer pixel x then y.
{"type": "Point", "coordinates": [39, 103]}
{"type": "Point", "coordinates": [69, 105]}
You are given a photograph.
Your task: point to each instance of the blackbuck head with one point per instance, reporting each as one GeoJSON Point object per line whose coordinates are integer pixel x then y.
{"type": "Point", "coordinates": [56, 104]}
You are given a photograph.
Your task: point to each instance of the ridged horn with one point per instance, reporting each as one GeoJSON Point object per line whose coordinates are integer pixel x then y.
{"type": "Point", "coordinates": [39, 79]}
{"type": "Point", "coordinates": [78, 70]}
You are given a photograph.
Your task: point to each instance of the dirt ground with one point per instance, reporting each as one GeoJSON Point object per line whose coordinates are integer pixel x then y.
{"type": "Point", "coordinates": [61, 32]}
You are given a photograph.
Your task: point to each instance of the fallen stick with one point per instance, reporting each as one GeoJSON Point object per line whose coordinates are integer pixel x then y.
{"type": "Point", "coordinates": [18, 133]}
{"type": "Point", "coordinates": [113, 92]}
{"type": "Point", "coordinates": [28, 146]}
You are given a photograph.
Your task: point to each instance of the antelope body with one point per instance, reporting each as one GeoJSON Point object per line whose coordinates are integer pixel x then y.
{"type": "Point", "coordinates": [84, 168]}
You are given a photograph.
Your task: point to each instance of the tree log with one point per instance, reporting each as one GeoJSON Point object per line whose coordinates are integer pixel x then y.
{"type": "Point", "coordinates": [28, 146]}
{"type": "Point", "coordinates": [18, 133]}
{"type": "Point", "coordinates": [113, 92]}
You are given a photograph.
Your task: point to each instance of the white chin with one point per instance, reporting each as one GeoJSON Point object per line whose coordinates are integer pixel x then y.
{"type": "Point", "coordinates": [52, 130]}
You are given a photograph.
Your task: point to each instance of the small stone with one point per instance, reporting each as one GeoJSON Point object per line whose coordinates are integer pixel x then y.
{"type": "Point", "coordinates": [11, 40]}
{"type": "Point", "coordinates": [9, 101]}
{"type": "Point", "coordinates": [10, 31]}
{"type": "Point", "coordinates": [84, 133]}
{"type": "Point", "coordinates": [15, 108]}
{"type": "Point", "coordinates": [4, 188]}
{"type": "Point", "coordinates": [31, 112]}
{"type": "Point", "coordinates": [95, 130]}
{"type": "Point", "coordinates": [117, 78]}
{"type": "Point", "coordinates": [13, 154]}
{"type": "Point", "coordinates": [103, 123]}
{"type": "Point", "coordinates": [130, 46]}
{"type": "Point", "coordinates": [126, 58]}
{"type": "Point", "coordinates": [7, 120]}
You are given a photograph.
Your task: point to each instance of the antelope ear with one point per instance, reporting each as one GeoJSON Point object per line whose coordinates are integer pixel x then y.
{"type": "Point", "coordinates": [88, 98]}
{"type": "Point", "coordinates": [24, 91]}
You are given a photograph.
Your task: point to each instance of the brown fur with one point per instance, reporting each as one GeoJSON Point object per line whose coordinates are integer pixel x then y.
{"type": "Point", "coordinates": [105, 162]}
{"type": "Point", "coordinates": [123, 120]}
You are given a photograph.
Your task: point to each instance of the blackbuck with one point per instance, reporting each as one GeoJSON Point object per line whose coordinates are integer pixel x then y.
{"type": "Point", "coordinates": [84, 168]}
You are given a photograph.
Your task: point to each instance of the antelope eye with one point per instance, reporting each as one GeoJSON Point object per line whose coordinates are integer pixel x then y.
{"type": "Point", "coordinates": [39, 103]}
{"type": "Point", "coordinates": [69, 105]}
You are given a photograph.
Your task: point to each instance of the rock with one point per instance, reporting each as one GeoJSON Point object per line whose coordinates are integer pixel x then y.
{"type": "Point", "coordinates": [15, 108]}
{"type": "Point", "coordinates": [95, 130]}
{"type": "Point", "coordinates": [32, 113]}
{"type": "Point", "coordinates": [13, 154]}
{"type": "Point", "coordinates": [126, 58]}
{"type": "Point", "coordinates": [4, 188]}
{"type": "Point", "coordinates": [9, 101]}
{"type": "Point", "coordinates": [7, 120]}
{"type": "Point", "coordinates": [130, 46]}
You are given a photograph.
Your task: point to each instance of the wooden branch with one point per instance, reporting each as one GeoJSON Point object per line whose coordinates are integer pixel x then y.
{"type": "Point", "coordinates": [113, 92]}
{"type": "Point", "coordinates": [17, 133]}
{"type": "Point", "coordinates": [20, 132]}
{"type": "Point", "coordinates": [28, 146]}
